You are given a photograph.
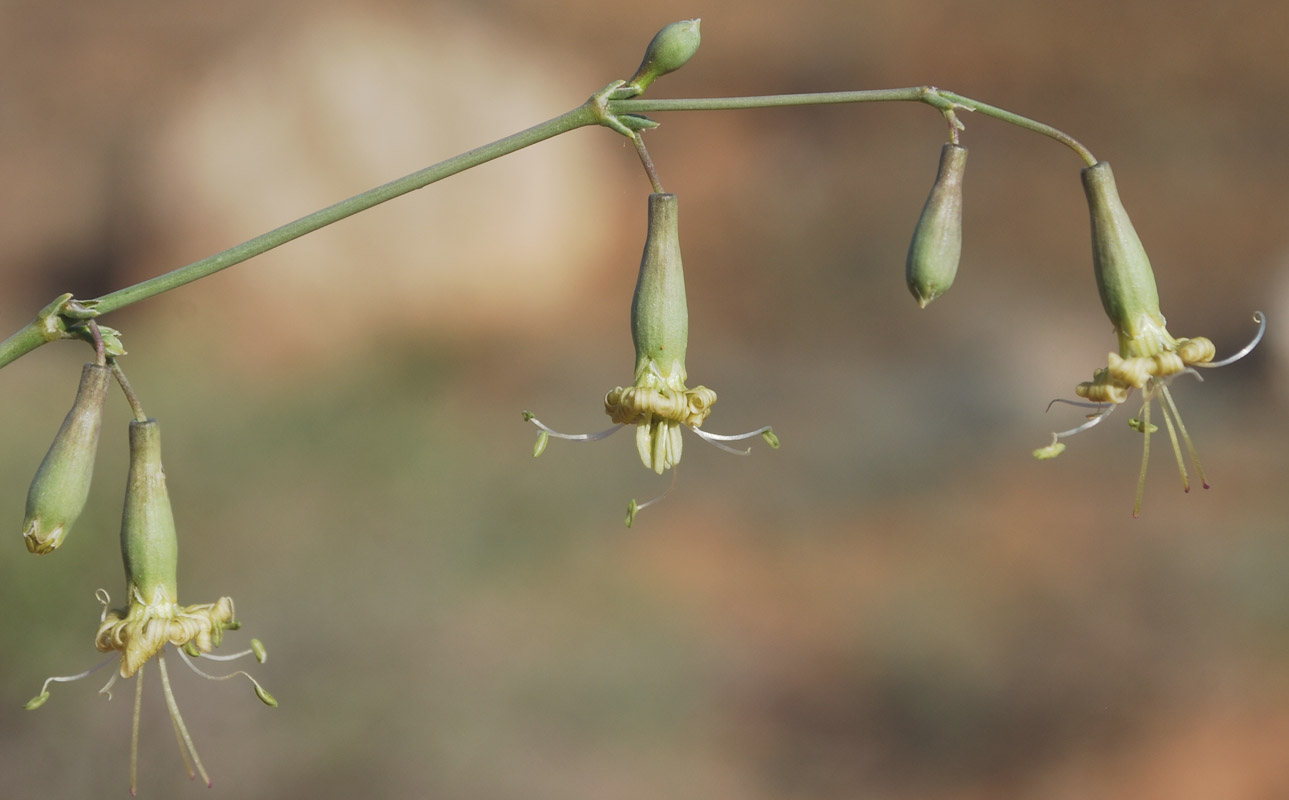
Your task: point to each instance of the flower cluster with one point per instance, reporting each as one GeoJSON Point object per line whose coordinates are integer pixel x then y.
{"type": "Point", "coordinates": [152, 618]}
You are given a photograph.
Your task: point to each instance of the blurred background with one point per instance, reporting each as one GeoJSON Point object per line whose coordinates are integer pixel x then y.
{"type": "Point", "coordinates": [899, 603]}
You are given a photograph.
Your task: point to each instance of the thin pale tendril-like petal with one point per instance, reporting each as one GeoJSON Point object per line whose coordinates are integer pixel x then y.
{"type": "Point", "coordinates": [1259, 318]}
{"type": "Point", "coordinates": [578, 437]}
{"type": "Point", "coordinates": [1075, 403]}
{"type": "Point", "coordinates": [181, 730]}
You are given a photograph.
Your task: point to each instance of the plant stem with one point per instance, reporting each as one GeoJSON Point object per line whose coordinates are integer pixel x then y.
{"type": "Point", "coordinates": [334, 213]}
{"type": "Point", "coordinates": [598, 109]}
{"type": "Point", "coordinates": [930, 95]}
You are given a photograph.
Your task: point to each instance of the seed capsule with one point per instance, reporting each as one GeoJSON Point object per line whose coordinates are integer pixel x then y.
{"type": "Point", "coordinates": [937, 240]}
{"type": "Point", "coordinates": [62, 483]}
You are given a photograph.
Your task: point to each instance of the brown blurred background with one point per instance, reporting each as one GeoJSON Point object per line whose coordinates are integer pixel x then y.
{"type": "Point", "coordinates": [899, 603]}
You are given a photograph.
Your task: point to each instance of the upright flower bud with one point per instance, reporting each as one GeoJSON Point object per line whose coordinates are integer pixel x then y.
{"type": "Point", "coordinates": [670, 48]}
{"type": "Point", "coordinates": [62, 484]}
{"type": "Point", "coordinates": [937, 240]}
{"type": "Point", "coordinates": [149, 544]}
{"type": "Point", "coordinates": [1124, 277]}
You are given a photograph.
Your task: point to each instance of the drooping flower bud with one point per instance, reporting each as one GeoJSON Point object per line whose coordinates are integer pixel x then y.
{"type": "Point", "coordinates": [667, 52]}
{"type": "Point", "coordinates": [933, 256]}
{"type": "Point", "coordinates": [62, 483]}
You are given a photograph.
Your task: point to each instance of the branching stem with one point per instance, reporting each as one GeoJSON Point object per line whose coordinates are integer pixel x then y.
{"type": "Point", "coordinates": [599, 109]}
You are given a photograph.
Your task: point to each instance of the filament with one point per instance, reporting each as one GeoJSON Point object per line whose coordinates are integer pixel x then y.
{"type": "Point", "coordinates": [1094, 419]}
{"type": "Point", "coordinates": [187, 660]}
{"type": "Point", "coordinates": [580, 437]}
{"type": "Point", "coordinates": [715, 439]}
{"type": "Point", "coordinates": [1145, 457]}
{"type": "Point", "coordinates": [134, 729]}
{"type": "Point", "coordinates": [1186, 437]}
{"type": "Point", "coordinates": [181, 730]}
{"type": "Point", "coordinates": [1177, 451]}
{"type": "Point", "coordinates": [68, 678]}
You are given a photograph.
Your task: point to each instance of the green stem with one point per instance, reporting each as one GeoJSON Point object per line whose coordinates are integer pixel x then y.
{"type": "Point", "coordinates": [938, 98]}
{"type": "Point", "coordinates": [598, 110]}
{"type": "Point", "coordinates": [571, 120]}
{"type": "Point", "coordinates": [38, 331]}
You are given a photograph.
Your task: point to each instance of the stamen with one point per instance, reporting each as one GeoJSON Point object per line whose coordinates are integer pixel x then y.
{"type": "Point", "coordinates": [134, 730]}
{"type": "Point", "coordinates": [181, 730]}
{"type": "Point", "coordinates": [1093, 419]}
{"type": "Point", "coordinates": [715, 439]}
{"type": "Point", "coordinates": [1186, 437]}
{"type": "Point", "coordinates": [44, 689]}
{"type": "Point", "coordinates": [1145, 456]}
{"type": "Point", "coordinates": [230, 657]}
{"type": "Point", "coordinates": [260, 692]}
{"type": "Point", "coordinates": [634, 508]}
{"type": "Point", "coordinates": [1177, 450]}
{"type": "Point", "coordinates": [579, 437]}
{"type": "Point", "coordinates": [1259, 318]}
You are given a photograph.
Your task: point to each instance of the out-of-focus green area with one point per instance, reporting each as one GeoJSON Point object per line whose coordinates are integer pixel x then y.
{"type": "Point", "coordinates": [899, 603]}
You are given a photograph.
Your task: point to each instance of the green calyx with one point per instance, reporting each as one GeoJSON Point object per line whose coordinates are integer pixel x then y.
{"type": "Point", "coordinates": [932, 262]}
{"type": "Point", "coordinates": [149, 544]}
{"type": "Point", "coordinates": [62, 483]}
{"type": "Point", "coordinates": [670, 48]}
{"type": "Point", "coordinates": [659, 313]}
{"type": "Point", "coordinates": [1124, 277]}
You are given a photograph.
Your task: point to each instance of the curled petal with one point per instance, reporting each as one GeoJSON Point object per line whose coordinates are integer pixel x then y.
{"type": "Point", "coordinates": [1259, 318]}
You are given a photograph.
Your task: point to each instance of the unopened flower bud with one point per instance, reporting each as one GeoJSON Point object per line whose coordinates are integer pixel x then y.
{"type": "Point", "coordinates": [670, 48]}
{"type": "Point", "coordinates": [937, 240]}
{"type": "Point", "coordinates": [62, 484]}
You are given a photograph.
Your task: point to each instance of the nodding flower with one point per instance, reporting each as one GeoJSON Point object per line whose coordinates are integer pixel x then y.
{"type": "Point", "coordinates": [1149, 357]}
{"type": "Point", "coordinates": [658, 403]}
{"type": "Point", "coordinates": [153, 618]}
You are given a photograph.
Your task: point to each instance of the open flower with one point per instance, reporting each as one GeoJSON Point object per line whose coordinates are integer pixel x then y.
{"type": "Point", "coordinates": [658, 403]}
{"type": "Point", "coordinates": [153, 618]}
{"type": "Point", "coordinates": [1149, 357]}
